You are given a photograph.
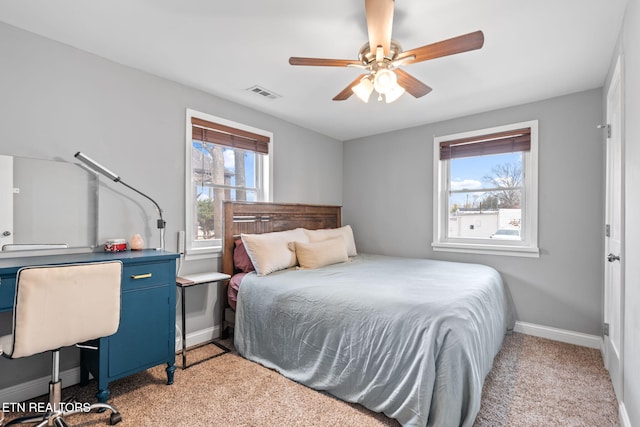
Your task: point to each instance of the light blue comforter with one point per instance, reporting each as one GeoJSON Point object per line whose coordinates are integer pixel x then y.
{"type": "Point", "coordinates": [412, 338]}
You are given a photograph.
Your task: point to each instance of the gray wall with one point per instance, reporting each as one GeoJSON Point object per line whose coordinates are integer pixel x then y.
{"type": "Point", "coordinates": [62, 188]}
{"type": "Point", "coordinates": [388, 201]}
{"type": "Point", "coordinates": [56, 100]}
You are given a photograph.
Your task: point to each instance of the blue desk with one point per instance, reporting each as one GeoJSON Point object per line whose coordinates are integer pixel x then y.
{"type": "Point", "coordinates": [146, 336]}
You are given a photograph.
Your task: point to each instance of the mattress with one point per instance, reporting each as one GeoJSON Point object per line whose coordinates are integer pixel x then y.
{"type": "Point", "coordinates": [411, 338]}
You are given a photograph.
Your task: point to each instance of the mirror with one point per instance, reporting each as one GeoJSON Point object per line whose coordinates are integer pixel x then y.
{"type": "Point", "coordinates": [46, 205]}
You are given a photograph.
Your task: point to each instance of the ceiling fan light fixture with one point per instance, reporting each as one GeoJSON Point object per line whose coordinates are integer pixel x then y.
{"type": "Point", "coordinates": [395, 93]}
{"type": "Point", "coordinates": [363, 89]}
{"type": "Point", "coordinates": [385, 80]}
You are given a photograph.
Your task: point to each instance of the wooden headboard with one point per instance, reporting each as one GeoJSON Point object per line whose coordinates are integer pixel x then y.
{"type": "Point", "coordinates": [258, 217]}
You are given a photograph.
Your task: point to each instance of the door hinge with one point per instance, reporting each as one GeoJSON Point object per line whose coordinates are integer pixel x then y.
{"type": "Point", "coordinates": [606, 329]}
{"type": "Point", "coordinates": [607, 127]}
{"type": "Point", "coordinates": [607, 230]}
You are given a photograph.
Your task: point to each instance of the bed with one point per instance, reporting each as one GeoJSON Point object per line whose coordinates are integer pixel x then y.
{"type": "Point", "coordinates": [412, 338]}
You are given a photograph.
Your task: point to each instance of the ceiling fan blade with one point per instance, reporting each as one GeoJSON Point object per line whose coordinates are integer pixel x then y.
{"type": "Point", "coordinates": [294, 60]}
{"type": "Point", "coordinates": [379, 22]}
{"type": "Point", "coordinates": [412, 85]}
{"type": "Point", "coordinates": [464, 43]}
{"type": "Point", "coordinates": [347, 92]}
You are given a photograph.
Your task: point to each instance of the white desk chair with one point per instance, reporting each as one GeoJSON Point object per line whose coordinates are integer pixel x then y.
{"type": "Point", "coordinates": [58, 306]}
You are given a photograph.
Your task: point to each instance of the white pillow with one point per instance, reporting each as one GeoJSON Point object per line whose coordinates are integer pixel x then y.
{"type": "Point", "coordinates": [319, 254]}
{"type": "Point", "coordinates": [327, 233]}
{"type": "Point", "coordinates": [270, 252]}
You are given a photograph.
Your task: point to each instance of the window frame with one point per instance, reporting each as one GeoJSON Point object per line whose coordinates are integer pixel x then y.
{"type": "Point", "coordinates": [200, 250]}
{"type": "Point", "coordinates": [528, 246]}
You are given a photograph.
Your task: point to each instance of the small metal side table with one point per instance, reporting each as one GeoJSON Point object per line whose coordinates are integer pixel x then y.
{"type": "Point", "coordinates": [183, 282]}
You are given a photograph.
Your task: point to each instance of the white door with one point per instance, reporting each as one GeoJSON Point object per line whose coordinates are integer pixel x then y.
{"type": "Point", "coordinates": [613, 277]}
{"type": "Point", "coordinates": [6, 200]}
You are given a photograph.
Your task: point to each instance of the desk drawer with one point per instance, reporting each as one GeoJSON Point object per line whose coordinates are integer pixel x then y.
{"type": "Point", "coordinates": [146, 275]}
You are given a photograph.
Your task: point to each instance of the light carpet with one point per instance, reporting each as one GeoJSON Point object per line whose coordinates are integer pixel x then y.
{"type": "Point", "coordinates": [534, 382]}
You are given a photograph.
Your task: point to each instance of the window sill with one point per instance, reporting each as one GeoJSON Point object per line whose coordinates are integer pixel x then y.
{"type": "Point", "coordinates": [485, 249]}
{"type": "Point", "coordinates": [208, 253]}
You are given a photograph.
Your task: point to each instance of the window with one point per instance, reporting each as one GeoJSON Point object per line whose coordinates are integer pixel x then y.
{"type": "Point", "coordinates": [486, 192]}
{"type": "Point", "coordinates": [224, 161]}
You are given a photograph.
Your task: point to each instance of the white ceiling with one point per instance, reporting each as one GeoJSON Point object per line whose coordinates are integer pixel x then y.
{"type": "Point", "coordinates": [534, 49]}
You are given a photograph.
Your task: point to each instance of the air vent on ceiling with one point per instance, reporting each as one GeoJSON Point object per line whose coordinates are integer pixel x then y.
{"type": "Point", "coordinates": [266, 93]}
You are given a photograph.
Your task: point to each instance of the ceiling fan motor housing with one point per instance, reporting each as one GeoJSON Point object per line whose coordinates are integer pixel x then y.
{"type": "Point", "coordinates": [368, 57]}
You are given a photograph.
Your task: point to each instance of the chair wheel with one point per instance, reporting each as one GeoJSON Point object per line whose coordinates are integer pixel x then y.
{"type": "Point", "coordinates": [115, 418]}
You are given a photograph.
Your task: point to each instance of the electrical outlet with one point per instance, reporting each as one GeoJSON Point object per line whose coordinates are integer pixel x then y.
{"type": "Point", "coordinates": [181, 242]}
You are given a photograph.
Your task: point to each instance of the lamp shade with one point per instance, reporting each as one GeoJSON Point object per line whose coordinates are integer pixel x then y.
{"type": "Point", "coordinates": [96, 166]}
{"type": "Point", "coordinates": [395, 93]}
{"type": "Point", "coordinates": [385, 80]}
{"type": "Point", "coordinates": [363, 89]}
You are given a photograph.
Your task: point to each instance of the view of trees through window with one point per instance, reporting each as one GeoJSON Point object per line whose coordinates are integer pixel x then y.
{"type": "Point", "coordinates": [220, 173]}
{"type": "Point", "coordinates": [486, 196]}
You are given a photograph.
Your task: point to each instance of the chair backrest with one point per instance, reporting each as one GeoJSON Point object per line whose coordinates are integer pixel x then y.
{"type": "Point", "coordinates": [62, 305]}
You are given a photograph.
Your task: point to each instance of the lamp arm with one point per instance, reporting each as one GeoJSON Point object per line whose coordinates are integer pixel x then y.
{"type": "Point", "coordinates": [161, 222]}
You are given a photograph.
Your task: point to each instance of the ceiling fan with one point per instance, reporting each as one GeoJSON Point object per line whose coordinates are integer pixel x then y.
{"type": "Point", "coordinates": [381, 58]}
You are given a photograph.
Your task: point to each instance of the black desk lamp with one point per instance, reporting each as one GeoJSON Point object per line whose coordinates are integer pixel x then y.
{"type": "Point", "coordinates": [97, 167]}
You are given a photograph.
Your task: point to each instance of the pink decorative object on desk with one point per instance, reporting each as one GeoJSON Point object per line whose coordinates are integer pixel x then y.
{"type": "Point", "coordinates": [137, 242]}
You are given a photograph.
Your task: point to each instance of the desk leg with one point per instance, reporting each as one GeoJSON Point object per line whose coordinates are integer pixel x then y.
{"type": "Point", "coordinates": [184, 331]}
{"type": "Point", "coordinates": [103, 395]}
{"type": "Point", "coordinates": [171, 368]}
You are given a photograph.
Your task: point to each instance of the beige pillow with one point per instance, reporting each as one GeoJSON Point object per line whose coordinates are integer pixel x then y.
{"type": "Point", "coordinates": [319, 254]}
{"type": "Point", "coordinates": [270, 252]}
{"type": "Point", "coordinates": [327, 233]}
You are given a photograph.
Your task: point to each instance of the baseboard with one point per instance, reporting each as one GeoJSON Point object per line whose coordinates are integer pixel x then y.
{"type": "Point", "coordinates": [198, 337]}
{"type": "Point", "coordinates": [624, 417]}
{"type": "Point", "coordinates": [37, 387]}
{"type": "Point", "coordinates": [562, 335]}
